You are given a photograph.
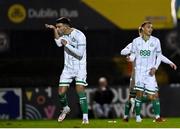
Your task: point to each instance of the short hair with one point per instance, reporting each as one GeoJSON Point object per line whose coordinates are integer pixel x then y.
{"type": "Point", "coordinates": [144, 23]}
{"type": "Point", "coordinates": [64, 20]}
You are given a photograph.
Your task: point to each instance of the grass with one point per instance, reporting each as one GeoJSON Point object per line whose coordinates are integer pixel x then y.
{"type": "Point", "coordinates": [94, 123]}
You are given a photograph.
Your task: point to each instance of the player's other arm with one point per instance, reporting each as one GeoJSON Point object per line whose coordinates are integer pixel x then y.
{"type": "Point", "coordinates": [158, 59]}
{"type": "Point", "coordinates": [132, 56]}
{"type": "Point", "coordinates": [158, 54]}
{"type": "Point", "coordinates": [126, 50]}
{"type": "Point", "coordinates": [81, 46]}
{"type": "Point", "coordinates": [167, 61]}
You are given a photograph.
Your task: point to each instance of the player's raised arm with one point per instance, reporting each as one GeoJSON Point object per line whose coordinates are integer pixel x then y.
{"type": "Point", "coordinates": [126, 50]}
{"type": "Point", "coordinates": [56, 35]}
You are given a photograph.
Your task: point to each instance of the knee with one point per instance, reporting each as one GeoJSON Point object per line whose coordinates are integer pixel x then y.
{"type": "Point", "coordinates": [62, 90]}
{"type": "Point", "coordinates": [139, 94]}
{"type": "Point", "coordinates": [152, 97]}
{"type": "Point", "coordinates": [80, 88]}
{"type": "Point", "coordinates": [157, 95]}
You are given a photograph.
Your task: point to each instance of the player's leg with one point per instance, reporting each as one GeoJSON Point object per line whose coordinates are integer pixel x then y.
{"type": "Point", "coordinates": [64, 83]}
{"type": "Point", "coordinates": [63, 103]}
{"type": "Point", "coordinates": [138, 104]}
{"type": "Point", "coordinates": [62, 96]}
{"type": "Point", "coordinates": [129, 105]}
{"type": "Point", "coordinates": [126, 111]}
{"type": "Point", "coordinates": [132, 99]}
{"type": "Point", "coordinates": [145, 98]}
{"type": "Point", "coordinates": [80, 89]}
{"type": "Point", "coordinates": [150, 89]}
{"type": "Point", "coordinates": [139, 87]}
{"type": "Point", "coordinates": [132, 91]}
{"type": "Point", "coordinates": [158, 106]}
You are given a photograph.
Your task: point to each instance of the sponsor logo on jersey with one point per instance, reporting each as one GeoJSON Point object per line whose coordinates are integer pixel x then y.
{"type": "Point", "coordinates": [145, 53]}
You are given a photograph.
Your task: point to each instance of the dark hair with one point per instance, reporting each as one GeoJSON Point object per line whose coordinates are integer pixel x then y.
{"type": "Point", "coordinates": [140, 29]}
{"type": "Point", "coordinates": [64, 20]}
{"type": "Point", "coordinates": [144, 23]}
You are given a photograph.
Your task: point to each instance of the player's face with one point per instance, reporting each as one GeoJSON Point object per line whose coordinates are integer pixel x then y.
{"type": "Point", "coordinates": [147, 29]}
{"type": "Point", "coordinates": [61, 28]}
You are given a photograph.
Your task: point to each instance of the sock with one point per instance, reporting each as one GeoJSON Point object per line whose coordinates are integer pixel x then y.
{"type": "Point", "coordinates": [85, 116]}
{"type": "Point", "coordinates": [138, 117]}
{"type": "Point", "coordinates": [63, 100]}
{"type": "Point", "coordinates": [83, 102]}
{"type": "Point", "coordinates": [127, 108]}
{"type": "Point", "coordinates": [156, 107]}
{"type": "Point", "coordinates": [145, 99]}
{"type": "Point", "coordinates": [138, 104]}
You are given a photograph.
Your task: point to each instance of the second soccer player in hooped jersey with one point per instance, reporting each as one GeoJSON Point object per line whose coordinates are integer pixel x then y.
{"type": "Point", "coordinates": [131, 102]}
{"type": "Point", "coordinates": [146, 54]}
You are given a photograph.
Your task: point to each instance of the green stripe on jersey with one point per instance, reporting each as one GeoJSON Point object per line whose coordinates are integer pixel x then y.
{"type": "Point", "coordinates": [81, 82]}
{"type": "Point", "coordinates": [63, 82]}
{"type": "Point", "coordinates": [149, 91]}
{"type": "Point", "coordinates": [139, 88]}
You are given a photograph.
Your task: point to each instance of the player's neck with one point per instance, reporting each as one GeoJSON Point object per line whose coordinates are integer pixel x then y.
{"type": "Point", "coordinates": [68, 31]}
{"type": "Point", "coordinates": [146, 37]}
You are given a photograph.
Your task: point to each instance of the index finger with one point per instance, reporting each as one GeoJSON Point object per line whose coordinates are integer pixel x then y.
{"type": "Point", "coordinates": [46, 25]}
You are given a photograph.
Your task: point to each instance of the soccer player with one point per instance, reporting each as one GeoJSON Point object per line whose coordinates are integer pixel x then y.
{"type": "Point", "coordinates": [146, 54]}
{"type": "Point", "coordinates": [129, 106]}
{"type": "Point", "coordinates": [74, 43]}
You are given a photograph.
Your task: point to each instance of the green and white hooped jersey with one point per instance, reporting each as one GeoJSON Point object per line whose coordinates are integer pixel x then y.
{"type": "Point", "coordinates": [75, 50]}
{"type": "Point", "coordinates": [145, 53]}
{"type": "Point", "coordinates": [127, 50]}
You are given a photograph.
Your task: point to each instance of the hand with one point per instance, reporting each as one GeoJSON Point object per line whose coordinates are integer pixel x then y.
{"type": "Point", "coordinates": [50, 26]}
{"type": "Point", "coordinates": [152, 71]}
{"type": "Point", "coordinates": [128, 58]}
{"type": "Point", "coordinates": [64, 42]}
{"type": "Point", "coordinates": [173, 66]}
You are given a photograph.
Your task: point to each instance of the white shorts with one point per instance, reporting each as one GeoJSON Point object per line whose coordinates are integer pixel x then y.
{"type": "Point", "coordinates": [68, 74]}
{"type": "Point", "coordinates": [146, 83]}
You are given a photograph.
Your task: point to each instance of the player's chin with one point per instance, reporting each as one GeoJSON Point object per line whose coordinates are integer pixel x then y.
{"type": "Point", "coordinates": [149, 33]}
{"type": "Point", "coordinates": [60, 33]}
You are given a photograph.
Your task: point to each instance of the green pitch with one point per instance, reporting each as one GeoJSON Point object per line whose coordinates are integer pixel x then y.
{"type": "Point", "coordinates": [94, 123]}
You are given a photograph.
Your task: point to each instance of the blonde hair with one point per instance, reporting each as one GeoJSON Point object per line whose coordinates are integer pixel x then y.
{"type": "Point", "coordinates": [144, 23]}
